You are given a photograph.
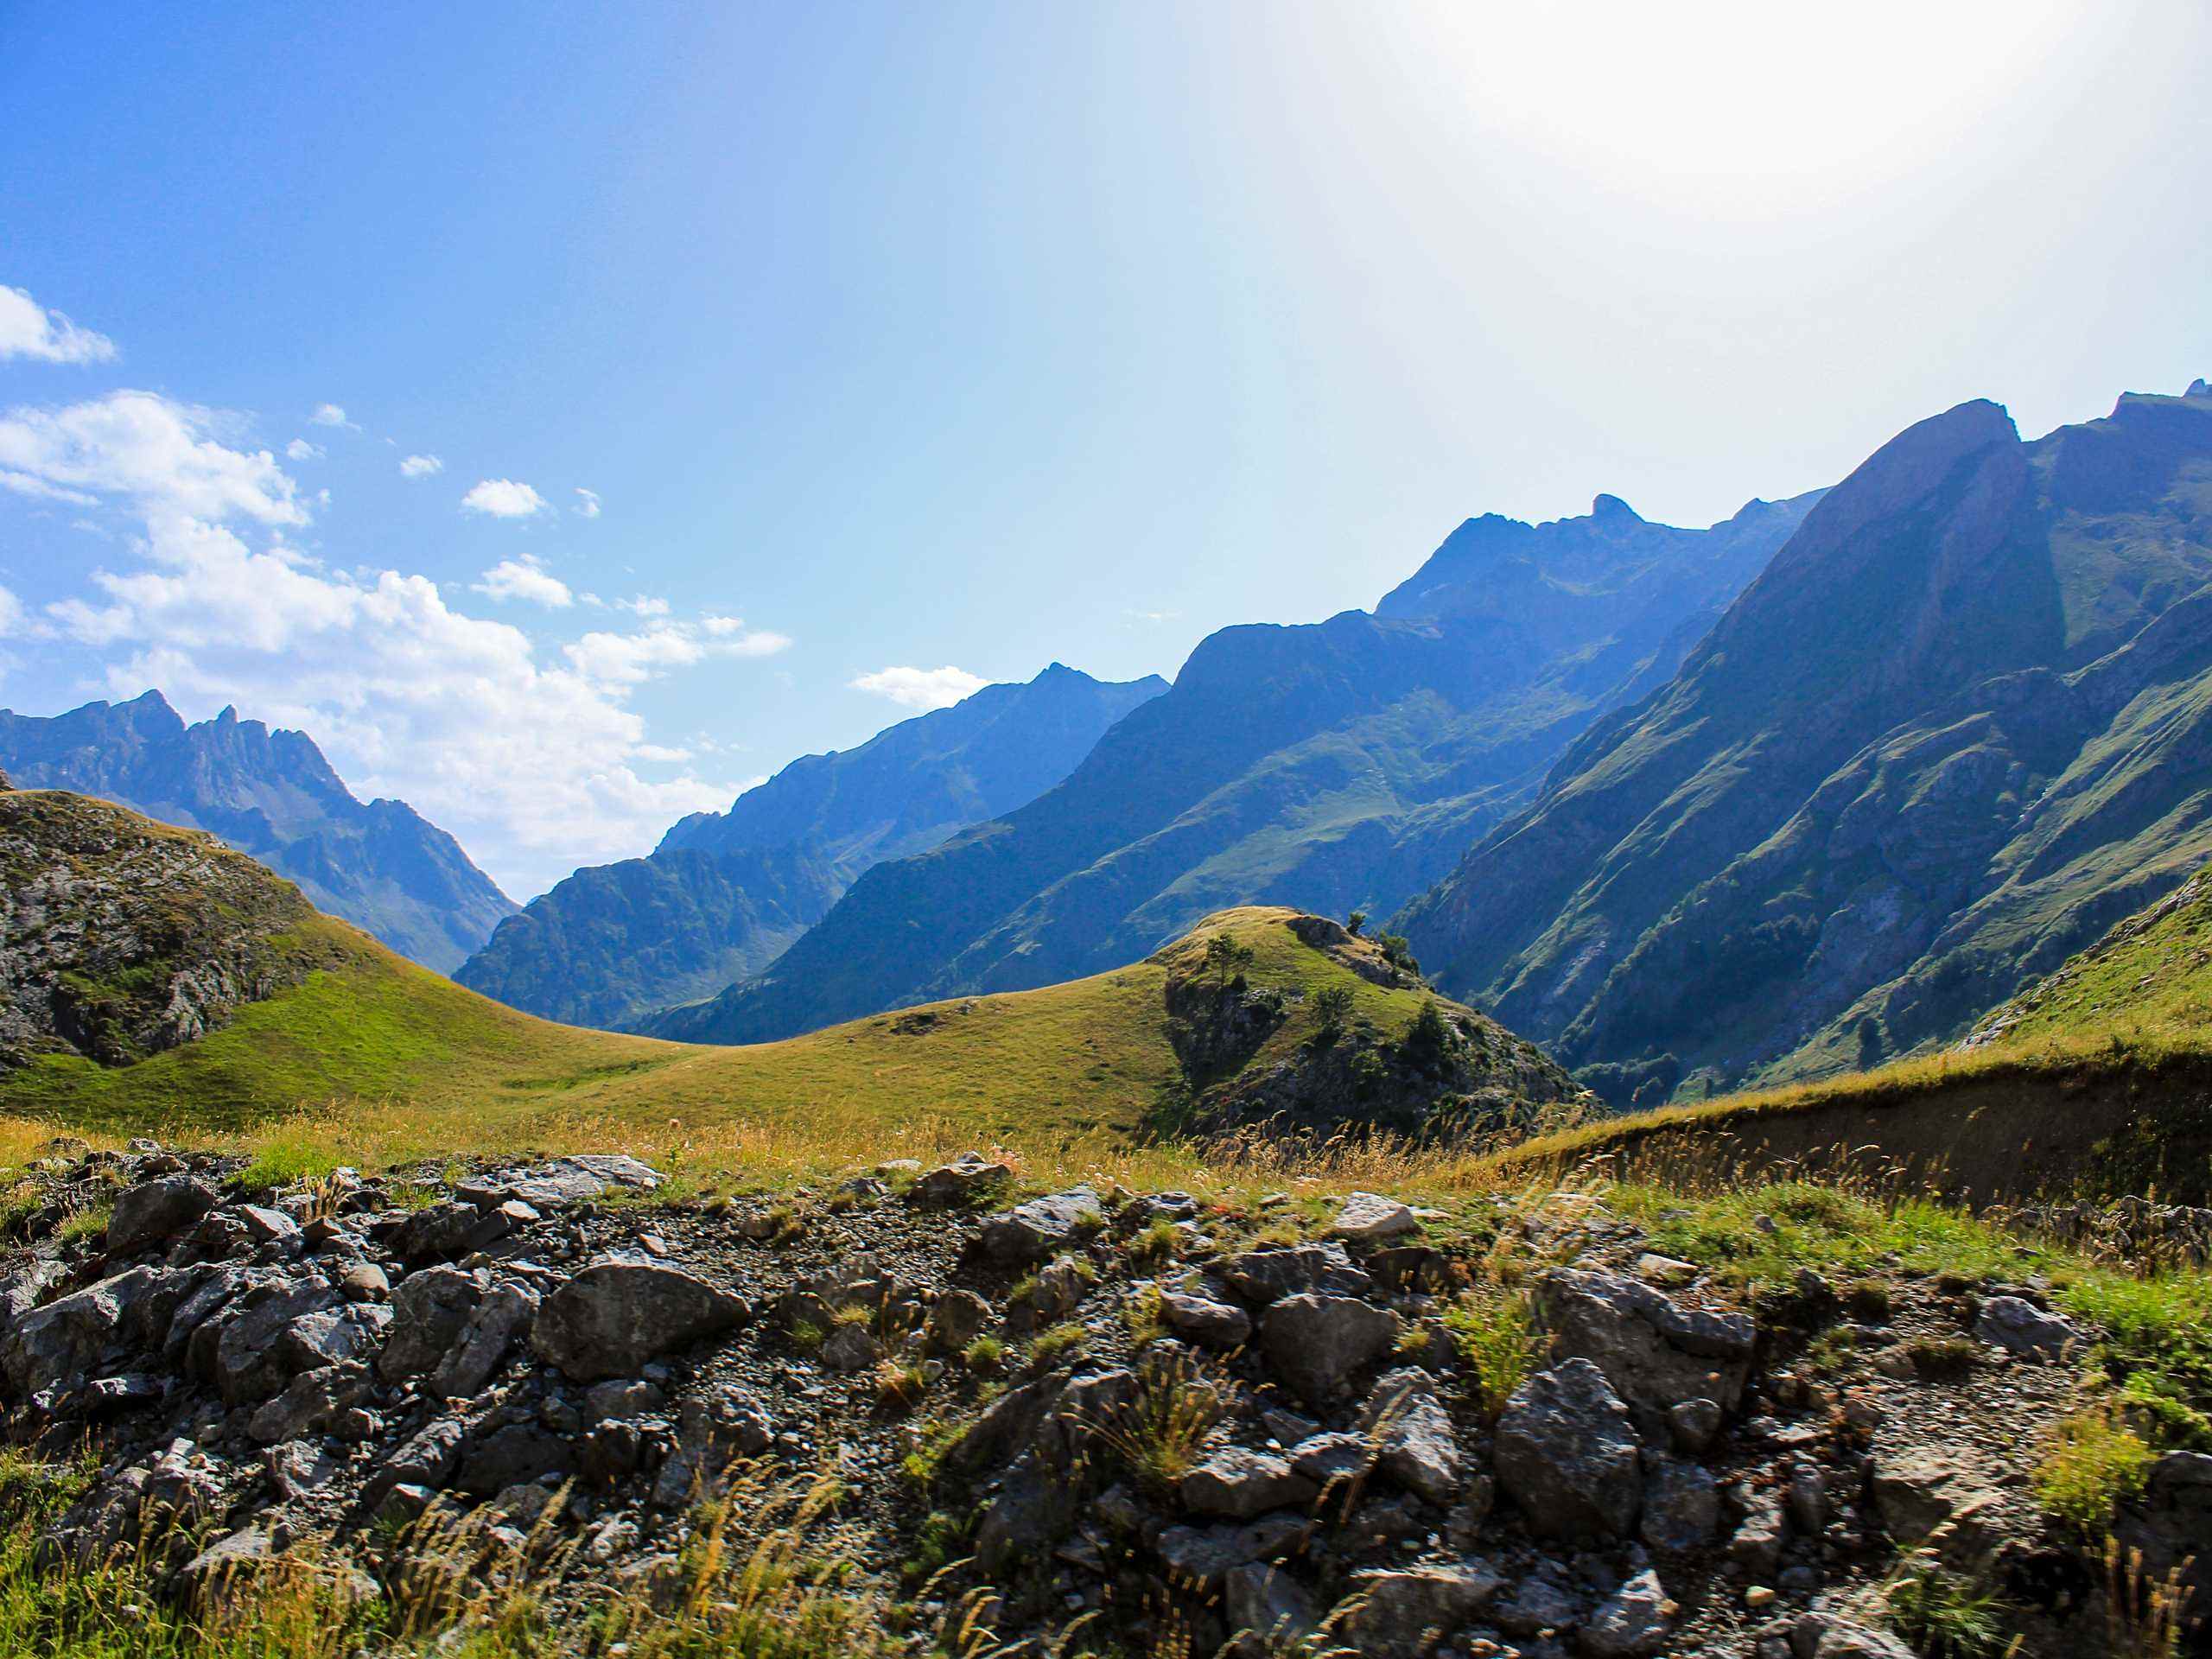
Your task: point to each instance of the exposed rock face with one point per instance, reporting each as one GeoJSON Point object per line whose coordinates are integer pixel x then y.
{"type": "Point", "coordinates": [726, 892]}
{"type": "Point", "coordinates": [1567, 1455]}
{"type": "Point", "coordinates": [120, 938]}
{"type": "Point", "coordinates": [1913, 766]}
{"type": "Point", "coordinates": [272, 796]}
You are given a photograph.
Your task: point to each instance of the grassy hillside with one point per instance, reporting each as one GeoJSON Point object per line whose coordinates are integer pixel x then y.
{"type": "Point", "coordinates": [375, 1060]}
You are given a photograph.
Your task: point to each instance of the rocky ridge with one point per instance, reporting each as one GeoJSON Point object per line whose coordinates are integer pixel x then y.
{"type": "Point", "coordinates": [120, 938]}
{"type": "Point", "coordinates": [1136, 1412]}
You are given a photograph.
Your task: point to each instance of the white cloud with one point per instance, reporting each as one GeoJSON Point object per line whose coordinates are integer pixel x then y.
{"type": "Point", "coordinates": [587, 507]}
{"type": "Point", "coordinates": [502, 497]}
{"type": "Point", "coordinates": [532, 763]}
{"type": "Point", "coordinates": [421, 466]}
{"type": "Point", "coordinates": [301, 449]}
{"type": "Point", "coordinates": [330, 415]}
{"type": "Point", "coordinates": [161, 456]}
{"type": "Point", "coordinates": [660, 751]}
{"type": "Point", "coordinates": [28, 329]}
{"type": "Point", "coordinates": [921, 688]}
{"type": "Point", "coordinates": [739, 640]}
{"type": "Point", "coordinates": [643, 605]}
{"type": "Point", "coordinates": [11, 613]}
{"type": "Point", "coordinates": [526, 579]}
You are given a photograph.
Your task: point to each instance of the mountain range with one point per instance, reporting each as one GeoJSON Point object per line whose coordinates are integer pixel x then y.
{"type": "Point", "coordinates": [726, 892]}
{"type": "Point", "coordinates": [1961, 725]}
{"type": "Point", "coordinates": [270, 794]}
{"type": "Point", "coordinates": [1340, 764]}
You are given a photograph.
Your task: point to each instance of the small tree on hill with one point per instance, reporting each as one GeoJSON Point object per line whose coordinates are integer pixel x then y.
{"type": "Point", "coordinates": [1354, 922]}
{"type": "Point", "coordinates": [1227, 958]}
{"type": "Point", "coordinates": [1331, 1009]}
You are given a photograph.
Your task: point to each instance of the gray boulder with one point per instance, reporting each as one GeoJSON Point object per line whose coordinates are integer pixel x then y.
{"type": "Point", "coordinates": [1681, 1503]}
{"type": "Point", "coordinates": [618, 1313]}
{"type": "Point", "coordinates": [1031, 1231]}
{"type": "Point", "coordinates": [1655, 1352]}
{"type": "Point", "coordinates": [2020, 1327]}
{"type": "Point", "coordinates": [1204, 1320]}
{"type": "Point", "coordinates": [1266, 1602]}
{"type": "Point", "coordinates": [429, 1310]}
{"type": "Point", "coordinates": [1370, 1219]}
{"type": "Point", "coordinates": [1408, 1614]}
{"type": "Point", "coordinates": [1266, 1275]}
{"type": "Point", "coordinates": [1316, 1343]}
{"type": "Point", "coordinates": [496, 1324]}
{"type": "Point", "coordinates": [962, 1183]}
{"type": "Point", "coordinates": [1240, 1484]}
{"type": "Point", "coordinates": [153, 1213]}
{"type": "Point", "coordinates": [1413, 1437]}
{"type": "Point", "coordinates": [1567, 1452]}
{"type": "Point", "coordinates": [1630, 1623]}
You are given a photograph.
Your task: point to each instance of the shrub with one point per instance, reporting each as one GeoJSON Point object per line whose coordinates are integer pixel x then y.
{"type": "Point", "coordinates": [1158, 1435]}
{"type": "Point", "coordinates": [2090, 1461]}
{"type": "Point", "coordinates": [1331, 1006]}
{"type": "Point", "coordinates": [983, 1354]}
{"type": "Point", "coordinates": [1051, 1345]}
{"type": "Point", "coordinates": [1158, 1242]}
{"type": "Point", "coordinates": [1944, 1615]}
{"type": "Point", "coordinates": [1495, 1331]}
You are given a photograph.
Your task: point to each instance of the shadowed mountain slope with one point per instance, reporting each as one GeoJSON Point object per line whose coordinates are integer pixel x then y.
{"type": "Point", "coordinates": [1957, 728]}
{"type": "Point", "coordinates": [1330, 766]}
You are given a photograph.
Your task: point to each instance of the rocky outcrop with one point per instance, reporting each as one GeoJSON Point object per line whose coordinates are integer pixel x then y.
{"type": "Point", "coordinates": [1251, 1440]}
{"type": "Point", "coordinates": [120, 938]}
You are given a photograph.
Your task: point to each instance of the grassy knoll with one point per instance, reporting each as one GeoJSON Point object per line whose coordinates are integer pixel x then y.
{"type": "Point", "coordinates": [375, 1061]}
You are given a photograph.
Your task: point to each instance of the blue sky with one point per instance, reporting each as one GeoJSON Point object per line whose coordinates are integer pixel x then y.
{"type": "Point", "coordinates": [893, 339]}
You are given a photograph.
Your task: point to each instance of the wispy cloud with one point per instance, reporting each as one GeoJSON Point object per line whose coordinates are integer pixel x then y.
{"type": "Point", "coordinates": [301, 449]}
{"type": "Point", "coordinates": [503, 497]}
{"type": "Point", "coordinates": [421, 466]}
{"type": "Point", "coordinates": [588, 504]}
{"type": "Point", "coordinates": [921, 688]}
{"type": "Point", "coordinates": [331, 415]}
{"type": "Point", "coordinates": [28, 329]}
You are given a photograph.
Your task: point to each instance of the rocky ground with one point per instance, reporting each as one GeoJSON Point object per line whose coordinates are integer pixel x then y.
{"type": "Point", "coordinates": [1165, 1427]}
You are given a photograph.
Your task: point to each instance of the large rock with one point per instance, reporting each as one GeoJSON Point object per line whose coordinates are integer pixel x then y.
{"type": "Point", "coordinates": [1407, 1614]}
{"type": "Point", "coordinates": [1316, 1343]}
{"type": "Point", "coordinates": [1266, 1275]}
{"type": "Point", "coordinates": [1630, 1623]}
{"type": "Point", "coordinates": [153, 1213]}
{"type": "Point", "coordinates": [2020, 1327]}
{"type": "Point", "coordinates": [429, 1310]}
{"type": "Point", "coordinates": [1031, 1231]}
{"type": "Point", "coordinates": [965, 1181]}
{"type": "Point", "coordinates": [1204, 1320]}
{"type": "Point", "coordinates": [617, 1314]}
{"type": "Point", "coordinates": [1567, 1454]}
{"type": "Point", "coordinates": [497, 1323]}
{"type": "Point", "coordinates": [1681, 1502]}
{"type": "Point", "coordinates": [2171, 1526]}
{"type": "Point", "coordinates": [1370, 1219]}
{"type": "Point", "coordinates": [1413, 1434]}
{"type": "Point", "coordinates": [1655, 1352]}
{"type": "Point", "coordinates": [86, 1331]}
{"type": "Point", "coordinates": [1266, 1602]}
{"type": "Point", "coordinates": [1240, 1484]}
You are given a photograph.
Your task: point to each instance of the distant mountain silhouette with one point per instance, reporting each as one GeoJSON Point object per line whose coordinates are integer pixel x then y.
{"type": "Point", "coordinates": [725, 892]}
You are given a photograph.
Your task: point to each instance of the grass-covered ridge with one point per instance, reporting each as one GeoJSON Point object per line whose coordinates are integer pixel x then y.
{"type": "Point", "coordinates": [375, 1060]}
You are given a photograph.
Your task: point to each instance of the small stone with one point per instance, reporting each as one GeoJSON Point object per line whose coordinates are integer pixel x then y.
{"type": "Point", "coordinates": [1241, 1484]}
{"type": "Point", "coordinates": [1370, 1219]}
